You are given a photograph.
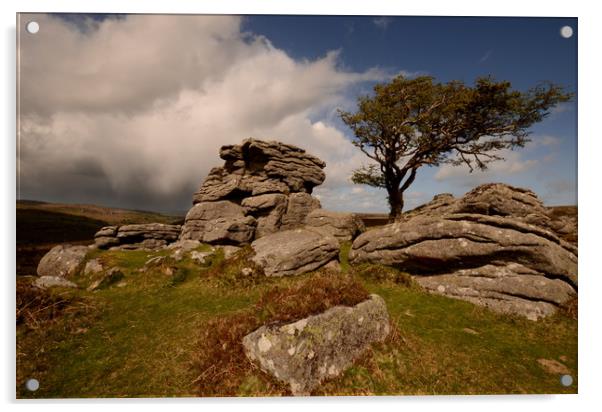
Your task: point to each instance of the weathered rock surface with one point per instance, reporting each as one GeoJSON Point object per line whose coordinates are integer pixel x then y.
{"type": "Point", "coordinates": [150, 236]}
{"type": "Point", "coordinates": [293, 252]}
{"type": "Point", "coordinates": [343, 226]}
{"type": "Point", "coordinates": [62, 261]}
{"type": "Point", "coordinates": [180, 248]}
{"type": "Point", "coordinates": [268, 209]}
{"type": "Point", "coordinates": [299, 206]}
{"type": "Point", "coordinates": [45, 282]}
{"type": "Point", "coordinates": [305, 353]}
{"type": "Point", "coordinates": [495, 199]}
{"type": "Point", "coordinates": [503, 256]}
{"type": "Point", "coordinates": [93, 267]}
{"type": "Point", "coordinates": [219, 222]}
{"type": "Point", "coordinates": [112, 276]}
{"type": "Point", "coordinates": [263, 187]}
{"type": "Point", "coordinates": [501, 288]}
{"type": "Point", "coordinates": [256, 167]}
{"type": "Point", "coordinates": [563, 221]}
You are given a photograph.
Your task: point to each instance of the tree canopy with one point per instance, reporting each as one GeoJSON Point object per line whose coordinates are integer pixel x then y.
{"type": "Point", "coordinates": [410, 123]}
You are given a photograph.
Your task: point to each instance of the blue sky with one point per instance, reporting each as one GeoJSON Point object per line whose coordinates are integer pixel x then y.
{"type": "Point", "coordinates": [130, 110]}
{"type": "Point", "coordinates": [525, 51]}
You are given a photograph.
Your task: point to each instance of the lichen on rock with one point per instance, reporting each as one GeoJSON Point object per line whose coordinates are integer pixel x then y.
{"type": "Point", "coordinates": [304, 353]}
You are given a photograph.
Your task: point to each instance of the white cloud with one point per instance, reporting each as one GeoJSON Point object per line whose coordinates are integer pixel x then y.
{"type": "Point", "coordinates": [485, 56]}
{"type": "Point", "coordinates": [563, 108]}
{"type": "Point", "coordinates": [513, 163]}
{"type": "Point", "coordinates": [382, 22]}
{"type": "Point", "coordinates": [136, 109]}
{"type": "Point", "coordinates": [543, 140]}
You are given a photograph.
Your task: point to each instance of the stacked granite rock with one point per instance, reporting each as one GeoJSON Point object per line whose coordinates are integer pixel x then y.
{"type": "Point", "coordinates": [149, 236]}
{"type": "Point", "coordinates": [262, 188]}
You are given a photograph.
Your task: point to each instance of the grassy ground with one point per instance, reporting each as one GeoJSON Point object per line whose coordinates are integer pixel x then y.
{"type": "Point", "coordinates": [138, 338]}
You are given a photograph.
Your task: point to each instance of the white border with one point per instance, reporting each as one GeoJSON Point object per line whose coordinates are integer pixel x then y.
{"type": "Point", "coordinates": [590, 148]}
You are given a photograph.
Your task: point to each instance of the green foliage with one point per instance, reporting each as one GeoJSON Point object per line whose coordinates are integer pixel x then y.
{"type": "Point", "coordinates": [368, 175]}
{"type": "Point", "coordinates": [410, 123]}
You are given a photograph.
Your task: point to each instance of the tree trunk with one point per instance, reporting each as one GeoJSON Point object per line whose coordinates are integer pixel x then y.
{"type": "Point", "coordinates": [396, 204]}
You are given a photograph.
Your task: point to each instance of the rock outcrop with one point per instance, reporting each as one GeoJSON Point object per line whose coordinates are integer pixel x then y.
{"type": "Point", "coordinates": [293, 252]}
{"type": "Point", "coordinates": [494, 199]}
{"type": "Point", "coordinates": [343, 226]}
{"type": "Point", "coordinates": [263, 187]}
{"type": "Point", "coordinates": [492, 247]}
{"type": "Point", "coordinates": [63, 261]}
{"type": "Point", "coordinates": [305, 353]}
{"type": "Point", "coordinates": [150, 236]}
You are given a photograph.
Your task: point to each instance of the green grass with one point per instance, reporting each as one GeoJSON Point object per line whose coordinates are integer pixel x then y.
{"type": "Point", "coordinates": [138, 337]}
{"type": "Point", "coordinates": [448, 346]}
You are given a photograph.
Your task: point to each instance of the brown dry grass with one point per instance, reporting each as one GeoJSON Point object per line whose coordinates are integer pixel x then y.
{"type": "Point", "coordinates": [35, 306]}
{"type": "Point", "coordinates": [570, 308]}
{"type": "Point", "coordinates": [230, 272]}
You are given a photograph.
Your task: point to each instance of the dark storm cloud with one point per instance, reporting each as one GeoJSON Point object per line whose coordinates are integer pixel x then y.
{"type": "Point", "coordinates": [131, 111]}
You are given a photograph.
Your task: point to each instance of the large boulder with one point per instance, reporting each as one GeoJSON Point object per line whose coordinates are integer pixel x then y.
{"type": "Point", "coordinates": [502, 256]}
{"type": "Point", "coordinates": [293, 252]}
{"type": "Point", "coordinates": [305, 353]}
{"type": "Point", "coordinates": [63, 261]}
{"type": "Point", "coordinates": [343, 226]}
{"type": "Point", "coordinates": [150, 236]}
{"type": "Point", "coordinates": [218, 222]}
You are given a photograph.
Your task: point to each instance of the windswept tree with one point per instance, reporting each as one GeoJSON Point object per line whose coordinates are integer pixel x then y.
{"type": "Point", "coordinates": [410, 123]}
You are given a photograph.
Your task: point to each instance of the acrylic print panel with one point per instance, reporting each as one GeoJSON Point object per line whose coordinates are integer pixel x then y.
{"type": "Point", "coordinates": [295, 205]}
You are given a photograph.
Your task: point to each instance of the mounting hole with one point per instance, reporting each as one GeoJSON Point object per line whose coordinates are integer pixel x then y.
{"type": "Point", "coordinates": [566, 380]}
{"type": "Point", "coordinates": [32, 385]}
{"type": "Point", "coordinates": [566, 32]}
{"type": "Point", "coordinates": [32, 27]}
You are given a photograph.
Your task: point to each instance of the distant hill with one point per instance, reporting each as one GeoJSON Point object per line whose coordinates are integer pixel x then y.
{"type": "Point", "coordinates": [112, 216]}
{"type": "Point", "coordinates": [42, 225]}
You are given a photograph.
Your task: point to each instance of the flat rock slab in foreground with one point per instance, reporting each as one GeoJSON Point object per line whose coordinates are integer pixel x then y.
{"type": "Point", "coordinates": [311, 350]}
{"type": "Point", "coordinates": [293, 252]}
